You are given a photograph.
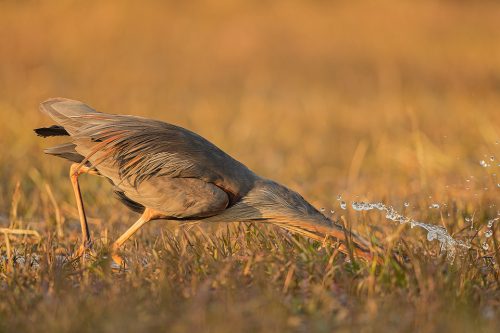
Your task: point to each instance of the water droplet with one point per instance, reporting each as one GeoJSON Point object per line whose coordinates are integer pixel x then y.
{"type": "Point", "coordinates": [343, 205]}
{"type": "Point", "coordinates": [483, 164]}
{"type": "Point", "coordinates": [492, 158]}
{"type": "Point", "coordinates": [490, 222]}
{"type": "Point", "coordinates": [485, 246]}
{"type": "Point", "coordinates": [332, 211]}
{"type": "Point", "coordinates": [468, 219]}
{"type": "Point", "coordinates": [359, 206]}
{"type": "Point", "coordinates": [322, 209]}
{"type": "Point", "coordinates": [406, 204]}
{"type": "Point", "coordinates": [434, 206]}
{"type": "Point", "coordinates": [488, 233]}
{"type": "Point", "coordinates": [339, 197]}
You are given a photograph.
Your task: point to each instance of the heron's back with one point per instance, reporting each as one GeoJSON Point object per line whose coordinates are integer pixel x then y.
{"type": "Point", "coordinates": [130, 150]}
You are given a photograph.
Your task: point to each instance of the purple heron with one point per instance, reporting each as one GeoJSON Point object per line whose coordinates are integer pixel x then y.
{"type": "Point", "coordinates": [167, 172]}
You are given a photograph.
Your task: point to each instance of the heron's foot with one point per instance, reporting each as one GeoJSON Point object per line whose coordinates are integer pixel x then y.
{"type": "Point", "coordinates": [117, 261]}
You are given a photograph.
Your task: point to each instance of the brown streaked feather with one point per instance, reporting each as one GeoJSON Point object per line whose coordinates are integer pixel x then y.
{"type": "Point", "coordinates": [159, 149]}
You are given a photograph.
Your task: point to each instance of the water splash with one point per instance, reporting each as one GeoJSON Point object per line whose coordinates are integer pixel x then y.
{"type": "Point", "coordinates": [448, 244]}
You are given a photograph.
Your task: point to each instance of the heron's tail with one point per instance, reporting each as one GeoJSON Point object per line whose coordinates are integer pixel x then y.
{"type": "Point", "coordinates": [65, 150]}
{"type": "Point", "coordinates": [53, 130]}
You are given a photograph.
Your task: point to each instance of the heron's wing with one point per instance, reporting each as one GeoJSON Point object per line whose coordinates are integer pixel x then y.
{"type": "Point", "coordinates": [131, 149]}
{"type": "Point", "coordinates": [179, 197]}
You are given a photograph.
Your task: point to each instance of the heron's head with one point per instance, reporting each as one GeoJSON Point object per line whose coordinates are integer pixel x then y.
{"type": "Point", "coordinates": [271, 202]}
{"type": "Point", "coordinates": [268, 200]}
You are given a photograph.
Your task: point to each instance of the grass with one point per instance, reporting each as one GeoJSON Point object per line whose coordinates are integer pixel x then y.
{"type": "Point", "coordinates": [396, 102]}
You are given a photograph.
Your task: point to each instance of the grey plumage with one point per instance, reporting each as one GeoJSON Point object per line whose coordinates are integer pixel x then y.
{"type": "Point", "coordinates": [177, 173]}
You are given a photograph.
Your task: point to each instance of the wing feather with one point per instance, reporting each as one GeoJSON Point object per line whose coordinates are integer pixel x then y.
{"type": "Point", "coordinates": [138, 149]}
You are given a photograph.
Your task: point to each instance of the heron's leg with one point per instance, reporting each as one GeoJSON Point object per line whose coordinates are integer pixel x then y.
{"type": "Point", "coordinates": [74, 171]}
{"type": "Point", "coordinates": [147, 216]}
